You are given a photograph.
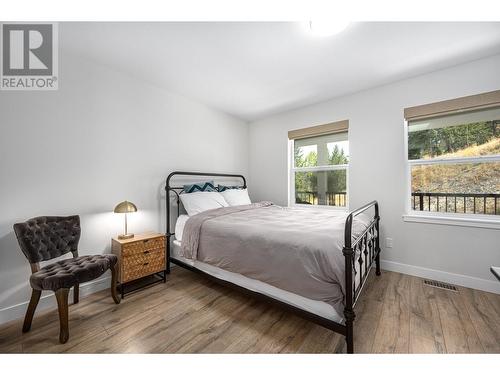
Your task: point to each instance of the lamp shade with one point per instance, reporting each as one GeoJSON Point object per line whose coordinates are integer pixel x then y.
{"type": "Point", "coordinates": [125, 207]}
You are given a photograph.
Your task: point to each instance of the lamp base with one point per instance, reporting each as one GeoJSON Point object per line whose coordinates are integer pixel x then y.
{"type": "Point", "coordinates": [125, 236]}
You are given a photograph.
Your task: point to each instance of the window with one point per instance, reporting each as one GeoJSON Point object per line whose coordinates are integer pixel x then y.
{"type": "Point", "coordinates": [319, 160]}
{"type": "Point", "coordinates": [454, 158]}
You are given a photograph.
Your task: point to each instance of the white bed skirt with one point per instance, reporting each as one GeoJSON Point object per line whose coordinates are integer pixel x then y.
{"type": "Point", "coordinates": [316, 307]}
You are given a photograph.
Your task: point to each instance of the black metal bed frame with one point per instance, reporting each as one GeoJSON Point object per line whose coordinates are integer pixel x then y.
{"type": "Point", "coordinates": [364, 250]}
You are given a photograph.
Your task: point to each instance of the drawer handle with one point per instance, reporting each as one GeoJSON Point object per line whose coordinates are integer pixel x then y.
{"type": "Point", "coordinates": [146, 252]}
{"type": "Point", "coordinates": [145, 264]}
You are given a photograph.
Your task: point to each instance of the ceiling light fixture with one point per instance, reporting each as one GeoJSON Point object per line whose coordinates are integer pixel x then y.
{"type": "Point", "coordinates": [325, 27]}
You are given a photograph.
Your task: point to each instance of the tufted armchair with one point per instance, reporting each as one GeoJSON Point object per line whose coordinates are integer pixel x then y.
{"type": "Point", "coordinates": [48, 237]}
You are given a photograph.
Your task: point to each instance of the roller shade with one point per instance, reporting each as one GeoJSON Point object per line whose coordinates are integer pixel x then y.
{"type": "Point", "coordinates": [446, 107]}
{"type": "Point", "coordinates": [314, 131]}
{"type": "Point", "coordinates": [471, 117]}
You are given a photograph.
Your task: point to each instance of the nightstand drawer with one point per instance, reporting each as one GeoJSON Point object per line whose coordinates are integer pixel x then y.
{"type": "Point", "coordinates": [136, 271]}
{"type": "Point", "coordinates": [142, 246]}
{"type": "Point", "coordinates": [142, 257]}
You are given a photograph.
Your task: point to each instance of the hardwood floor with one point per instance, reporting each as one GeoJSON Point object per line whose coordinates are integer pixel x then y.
{"type": "Point", "coordinates": [189, 314]}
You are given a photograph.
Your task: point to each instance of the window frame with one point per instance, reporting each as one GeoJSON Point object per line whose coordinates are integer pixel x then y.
{"type": "Point", "coordinates": [446, 218]}
{"type": "Point", "coordinates": [291, 179]}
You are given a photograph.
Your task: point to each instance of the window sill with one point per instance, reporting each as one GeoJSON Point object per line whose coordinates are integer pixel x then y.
{"type": "Point", "coordinates": [462, 221]}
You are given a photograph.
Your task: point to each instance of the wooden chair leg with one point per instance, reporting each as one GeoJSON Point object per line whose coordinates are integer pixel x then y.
{"type": "Point", "coordinates": [76, 294]}
{"type": "Point", "coordinates": [114, 278]}
{"type": "Point", "coordinates": [35, 297]}
{"type": "Point", "coordinates": [62, 305]}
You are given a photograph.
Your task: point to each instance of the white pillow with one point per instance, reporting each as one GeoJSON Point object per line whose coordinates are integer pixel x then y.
{"type": "Point", "coordinates": [236, 197]}
{"type": "Point", "coordinates": [194, 203]}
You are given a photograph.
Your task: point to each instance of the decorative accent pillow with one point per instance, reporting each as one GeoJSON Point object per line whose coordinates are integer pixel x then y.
{"type": "Point", "coordinates": [200, 201]}
{"type": "Point", "coordinates": [236, 197]}
{"type": "Point", "coordinates": [199, 186]}
{"type": "Point", "coordinates": [224, 188]}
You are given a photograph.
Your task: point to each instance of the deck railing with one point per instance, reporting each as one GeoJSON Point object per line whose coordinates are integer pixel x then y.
{"type": "Point", "coordinates": [475, 203]}
{"type": "Point", "coordinates": [331, 198]}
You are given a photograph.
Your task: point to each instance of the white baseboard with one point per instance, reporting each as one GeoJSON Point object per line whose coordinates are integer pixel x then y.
{"type": "Point", "coordinates": [48, 301]}
{"type": "Point", "coordinates": [491, 286]}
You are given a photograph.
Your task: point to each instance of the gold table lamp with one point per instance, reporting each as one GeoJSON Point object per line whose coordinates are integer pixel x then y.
{"type": "Point", "coordinates": [125, 207]}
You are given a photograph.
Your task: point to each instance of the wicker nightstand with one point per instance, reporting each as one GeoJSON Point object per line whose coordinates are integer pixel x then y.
{"type": "Point", "coordinates": [138, 257]}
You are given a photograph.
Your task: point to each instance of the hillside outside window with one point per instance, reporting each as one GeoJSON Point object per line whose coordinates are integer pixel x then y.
{"type": "Point", "coordinates": [454, 161]}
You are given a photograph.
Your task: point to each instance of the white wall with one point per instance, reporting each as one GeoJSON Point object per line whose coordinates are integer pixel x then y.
{"type": "Point", "coordinates": [101, 138]}
{"type": "Point", "coordinates": [377, 170]}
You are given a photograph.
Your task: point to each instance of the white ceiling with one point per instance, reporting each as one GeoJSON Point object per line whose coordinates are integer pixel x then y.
{"type": "Point", "coordinates": [252, 70]}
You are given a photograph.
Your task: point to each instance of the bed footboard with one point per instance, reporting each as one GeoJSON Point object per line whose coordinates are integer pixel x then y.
{"type": "Point", "coordinates": [360, 254]}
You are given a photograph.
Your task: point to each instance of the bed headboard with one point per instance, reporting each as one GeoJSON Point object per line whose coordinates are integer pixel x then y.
{"type": "Point", "coordinates": [170, 187]}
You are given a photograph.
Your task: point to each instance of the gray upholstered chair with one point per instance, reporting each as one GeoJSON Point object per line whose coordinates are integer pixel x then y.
{"type": "Point", "coordinates": [48, 237]}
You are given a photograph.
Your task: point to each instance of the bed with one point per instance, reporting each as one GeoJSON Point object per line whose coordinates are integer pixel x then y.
{"type": "Point", "coordinates": [314, 264]}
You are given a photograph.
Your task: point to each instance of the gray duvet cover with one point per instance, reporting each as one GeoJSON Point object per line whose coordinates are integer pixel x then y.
{"type": "Point", "coordinates": [298, 250]}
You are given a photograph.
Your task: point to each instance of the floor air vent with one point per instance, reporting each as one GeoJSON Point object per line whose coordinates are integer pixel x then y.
{"type": "Point", "coordinates": [439, 284]}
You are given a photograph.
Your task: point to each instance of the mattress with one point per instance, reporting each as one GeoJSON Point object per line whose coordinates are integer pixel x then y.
{"type": "Point", "coordinates": [320, 308]}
